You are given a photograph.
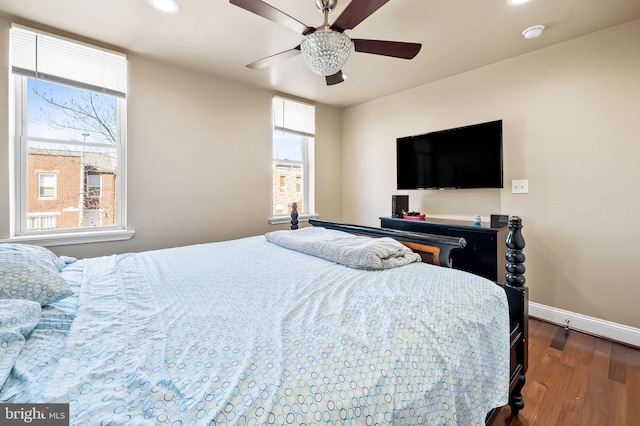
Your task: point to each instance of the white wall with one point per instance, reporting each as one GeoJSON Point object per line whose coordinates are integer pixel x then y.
{"type": "Point", "coordinates": [571, 117]}
{"type": "Point", "coordinates": [199, 158]}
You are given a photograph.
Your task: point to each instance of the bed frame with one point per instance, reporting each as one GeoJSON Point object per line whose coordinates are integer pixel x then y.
{"type": "Point", "coordinates": [436, 249]}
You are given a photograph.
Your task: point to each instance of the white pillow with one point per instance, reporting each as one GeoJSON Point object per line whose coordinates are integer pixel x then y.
{"type": "Point", "coordinates": [31, 273]}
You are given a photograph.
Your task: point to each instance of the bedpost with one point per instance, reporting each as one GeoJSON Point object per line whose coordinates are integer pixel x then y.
{"type": "Point", "coordinates": [294, 216]}
{"type": "Point", "coordinates": [518, 295]}
{"type": "Point", "coordinates": [515, 256]}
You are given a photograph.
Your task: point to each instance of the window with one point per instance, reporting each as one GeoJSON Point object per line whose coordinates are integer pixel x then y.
{"type": "Point", "coordinates": [293, 147]}
{"type": "Point", "coordinates": [70, 110]}
{"type": "Point", "coordinates": [92, 194]}
{"type": "Point", "coordinates": [94, 186]}
{"type": "Point", "coordinates": [47, 185]}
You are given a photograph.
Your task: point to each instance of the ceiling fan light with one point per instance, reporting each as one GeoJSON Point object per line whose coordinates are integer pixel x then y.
{"type": "Point", "coordinates": [326, 51]}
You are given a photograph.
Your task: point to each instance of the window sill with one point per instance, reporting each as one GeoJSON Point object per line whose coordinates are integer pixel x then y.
{"type": "Point", "coordinates": [279, 220]}
{"type": "Point", "coordinates": [49, 240]}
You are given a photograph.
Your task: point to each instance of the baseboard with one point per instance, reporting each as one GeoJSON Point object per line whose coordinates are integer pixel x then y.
{"type": "Point", "coordinates": [607, 329]}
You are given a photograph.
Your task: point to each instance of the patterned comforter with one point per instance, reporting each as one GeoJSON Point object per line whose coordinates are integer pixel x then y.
{"type": "Point", "coordinates": [246, 332]}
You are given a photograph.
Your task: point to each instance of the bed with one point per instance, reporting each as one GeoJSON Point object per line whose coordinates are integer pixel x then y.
{"type": "Point", "coordinates": [262, 330]}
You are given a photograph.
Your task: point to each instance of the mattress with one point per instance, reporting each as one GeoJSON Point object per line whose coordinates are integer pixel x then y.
{"type": "Point", "coordinates": [245, 332]}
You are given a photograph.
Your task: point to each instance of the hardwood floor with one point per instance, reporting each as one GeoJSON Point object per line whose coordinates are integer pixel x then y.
{"type": "Point", "coordinates": [577, 379]}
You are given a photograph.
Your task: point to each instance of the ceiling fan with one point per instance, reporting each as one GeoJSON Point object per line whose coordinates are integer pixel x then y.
{"type": "Point", "coordinates": [325, 49]}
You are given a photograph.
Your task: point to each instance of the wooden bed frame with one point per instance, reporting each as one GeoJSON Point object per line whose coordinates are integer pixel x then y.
{"type": "Point", "coordinates": [436, 249]}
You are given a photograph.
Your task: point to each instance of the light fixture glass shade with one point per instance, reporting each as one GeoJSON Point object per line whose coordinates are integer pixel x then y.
{"type": "Point", "coordinates": [326, 51]}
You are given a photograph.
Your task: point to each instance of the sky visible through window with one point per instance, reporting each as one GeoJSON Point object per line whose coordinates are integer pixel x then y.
{"type": "Point", "coordinates": [42, 114]}
{"type": "Point", "coordinates": [287, 146]}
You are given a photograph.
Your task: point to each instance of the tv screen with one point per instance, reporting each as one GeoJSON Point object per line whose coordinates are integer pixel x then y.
{"type": "Point", "coordinates": [464, 157]}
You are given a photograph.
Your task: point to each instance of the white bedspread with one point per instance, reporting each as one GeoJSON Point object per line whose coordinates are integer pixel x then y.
{"type": "Point", "coordinates": [245, 332]}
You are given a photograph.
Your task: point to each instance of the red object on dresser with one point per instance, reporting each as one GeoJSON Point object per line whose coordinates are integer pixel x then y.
{"type": "Point", "coordinates": [412, 217]}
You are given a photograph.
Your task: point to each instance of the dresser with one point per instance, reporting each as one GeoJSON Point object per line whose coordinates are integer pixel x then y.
{"type": "Point", "coordinates": [484, 253]}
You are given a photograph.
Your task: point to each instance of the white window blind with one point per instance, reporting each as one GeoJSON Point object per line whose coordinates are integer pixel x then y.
{"type": "Point", "coordinates": [294, 116]}
{"type": "Point", "coordinates": [49, 57]}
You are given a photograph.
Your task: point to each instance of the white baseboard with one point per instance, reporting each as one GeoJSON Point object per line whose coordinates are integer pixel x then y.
{"type": "Point", "coordinates": [607, 329]}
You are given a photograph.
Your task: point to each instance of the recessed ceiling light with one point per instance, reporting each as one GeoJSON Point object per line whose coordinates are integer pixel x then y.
{"type": "Point", "coordinates": [533, 32]}
{"type": "Point", "coordinates": [516, 2]}
{"type": "Point", "coordinates": [168, 6]}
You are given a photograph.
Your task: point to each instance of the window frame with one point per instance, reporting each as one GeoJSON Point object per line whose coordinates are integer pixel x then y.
{"type": "Point", "coordinates": [55, 58]}
{"type": "Point", "coordinates": [307, 186]}
{"type": "Point", "coordinates": [40, 186]}
{"type": "Point", "coordinates": [89, 188]}
{"type": "Point", "coordinates": [20, 231]}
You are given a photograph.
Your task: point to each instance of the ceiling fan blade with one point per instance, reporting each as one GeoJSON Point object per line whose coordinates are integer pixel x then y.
{"type": "Point", "coordinates": [396, 49]}
{"type": "Point", "coordinates": [270, 60]}
{"type": "Point", "coordinates": [356, 12]}
{"type": "Point", "coordinates": [335, 78]}
{"type": "Point", "coordinates": [269, 12]}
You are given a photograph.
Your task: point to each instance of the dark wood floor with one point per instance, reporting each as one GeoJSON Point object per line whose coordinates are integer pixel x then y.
{"type": "Point", "coordinates": [577, 379]}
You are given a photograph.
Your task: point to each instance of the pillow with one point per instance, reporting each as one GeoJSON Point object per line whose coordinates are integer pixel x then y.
{"type": "Point", "coordinates": [17, 319]}
{"type": "Point", "coordinates": [31, 273]}
{"type": "Point", "coordinates": [44, 253]}
{"type": "Point", "coordinates": [354, 251]}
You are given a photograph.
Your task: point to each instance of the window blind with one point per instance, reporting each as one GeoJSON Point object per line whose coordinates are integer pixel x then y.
{"type": "Point", "coordinates": [294, 116]}
{"type": "Point", "coordinates": [49, 57]}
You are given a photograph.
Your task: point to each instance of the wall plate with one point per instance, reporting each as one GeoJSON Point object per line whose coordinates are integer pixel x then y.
{"type": "Point", "coordinates": [520, 186]}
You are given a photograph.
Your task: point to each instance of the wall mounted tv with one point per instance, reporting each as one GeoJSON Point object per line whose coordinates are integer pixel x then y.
{"type": "Point", "coordinates": [464, 157]}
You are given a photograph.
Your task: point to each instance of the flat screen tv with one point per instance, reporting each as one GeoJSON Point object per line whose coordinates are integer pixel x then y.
{"type": "Point", "coordinates": [464, 157]}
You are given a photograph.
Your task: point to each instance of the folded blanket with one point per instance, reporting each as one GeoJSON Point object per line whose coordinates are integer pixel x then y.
{"type": "Point", "coordinates": [341, 247]}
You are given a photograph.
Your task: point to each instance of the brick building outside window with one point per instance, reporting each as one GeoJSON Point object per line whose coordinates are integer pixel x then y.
{"type": "Point", "coordinates": [84, 194]}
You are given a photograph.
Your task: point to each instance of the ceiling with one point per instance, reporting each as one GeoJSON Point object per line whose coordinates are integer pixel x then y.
{"type": "Point", "coordinates": [216, 37]}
